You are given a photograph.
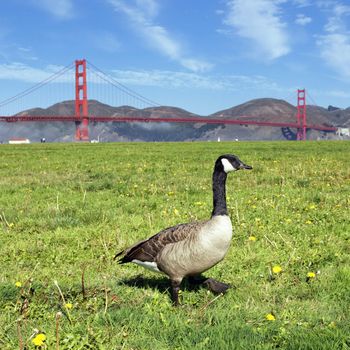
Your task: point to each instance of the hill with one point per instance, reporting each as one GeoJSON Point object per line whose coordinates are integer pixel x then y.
{"type": "Point", "coordinates": [264, 109]}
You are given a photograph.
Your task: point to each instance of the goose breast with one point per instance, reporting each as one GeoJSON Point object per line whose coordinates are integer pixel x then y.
{"type": "Point", "coordinates": [198, 252]}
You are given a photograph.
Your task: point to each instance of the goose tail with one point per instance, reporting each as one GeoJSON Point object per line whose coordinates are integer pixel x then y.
{"type": "Point", "coordinates": [122, 257]}
{"type": "Point", "coordinates": [118, 255]}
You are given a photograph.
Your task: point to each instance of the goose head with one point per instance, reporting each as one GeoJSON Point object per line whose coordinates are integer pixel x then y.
{"type": "Point", "coordinates": [230, 162]}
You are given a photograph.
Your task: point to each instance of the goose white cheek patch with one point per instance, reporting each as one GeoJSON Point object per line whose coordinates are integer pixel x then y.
{"type": "Point", "coordinates": [227, 165]}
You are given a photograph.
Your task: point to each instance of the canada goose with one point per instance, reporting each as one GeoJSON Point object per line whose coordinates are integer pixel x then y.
{"type": "Point", "coordinates": [190, 249]}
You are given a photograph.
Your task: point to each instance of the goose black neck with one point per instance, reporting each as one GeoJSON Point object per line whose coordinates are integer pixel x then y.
{"type": "Point", "coordinates": [219, 192]}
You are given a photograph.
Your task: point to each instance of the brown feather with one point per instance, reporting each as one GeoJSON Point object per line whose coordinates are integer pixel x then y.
{"type": "Point", "coordinates": [148, 249]}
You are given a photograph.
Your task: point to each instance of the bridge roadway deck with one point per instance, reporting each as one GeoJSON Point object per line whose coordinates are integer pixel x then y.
{"type": "Point", "coordinates": [128, 119]}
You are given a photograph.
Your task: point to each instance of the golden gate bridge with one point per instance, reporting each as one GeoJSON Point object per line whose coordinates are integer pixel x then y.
{"type": "Point", "coordinates": [82, 117]}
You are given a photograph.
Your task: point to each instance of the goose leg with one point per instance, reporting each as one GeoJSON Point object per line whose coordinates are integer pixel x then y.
{"type": "Point", "coordinates": [175, 288]}
{"type": "Point", "coordinates": [197, 279]}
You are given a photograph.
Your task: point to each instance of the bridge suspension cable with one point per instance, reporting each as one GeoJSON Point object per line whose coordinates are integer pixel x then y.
{"type": "Point", "coordinates": [107, 78]}
{"type": "Point", "coordinates": [37, 86]}
{"type": "Point", "coordinates": [311, 98]}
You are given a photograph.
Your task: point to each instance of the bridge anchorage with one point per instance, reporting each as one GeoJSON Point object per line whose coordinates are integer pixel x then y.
{"type": "Point", "coordinates": [288, 133]}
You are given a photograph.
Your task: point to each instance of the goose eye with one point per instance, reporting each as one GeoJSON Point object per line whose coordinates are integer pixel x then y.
{"type": "Point", "coordinates": [227, 165]}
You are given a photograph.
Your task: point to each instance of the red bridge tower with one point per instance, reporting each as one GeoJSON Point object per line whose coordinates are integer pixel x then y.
{"type": "Point", "coordinates": [81, 103]}
{"type": "Point", "coordinates": [301, 115]}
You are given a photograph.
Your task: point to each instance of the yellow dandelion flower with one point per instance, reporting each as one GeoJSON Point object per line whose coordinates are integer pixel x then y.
{"type": "Point", "coordinates": [69, 305]}
{"type": "Point", "coordinates": [311, 275]}
{"type": "Point", "coordinates": [252, 238]}
{"type": "Point", "coordinates": [270, 317]}
{"type": "Point", "coordinates": [308, 222]}
{"type": "Point", "coordinates": [39, 339]}
{"type": "Point", "coordinates": [18, 284]}
{"type": "Point", "coordinates": [312, 206]}
{"type": "Point", "coordinates": [277, 269]}
{"type": "Point", "coordinates": [176, 212]}
{"type": "Point", "coordinates": [254, 206]}
{"type": "Point", "coordinates": [41, 336]}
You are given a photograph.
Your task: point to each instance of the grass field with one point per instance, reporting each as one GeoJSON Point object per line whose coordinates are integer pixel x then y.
{"type": "Point", "coordinates": [65, 209]}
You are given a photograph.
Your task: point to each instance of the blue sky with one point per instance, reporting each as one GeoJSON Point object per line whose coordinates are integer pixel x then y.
{"type": "Point", "coordinates": [200, 55]}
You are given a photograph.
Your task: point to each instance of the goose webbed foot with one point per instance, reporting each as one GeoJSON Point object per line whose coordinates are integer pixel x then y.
{"type": "Point", "coordinates": [213, 285]}
{"type": "Point", "coordinates": [216, 286]}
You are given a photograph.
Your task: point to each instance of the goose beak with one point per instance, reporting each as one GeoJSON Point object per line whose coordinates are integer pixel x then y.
{"type": "Point", "coordinates": [245, 166]}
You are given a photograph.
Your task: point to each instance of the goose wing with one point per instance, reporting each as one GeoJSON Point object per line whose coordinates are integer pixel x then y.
{"type": "Point", "coordinates": [148, 249]}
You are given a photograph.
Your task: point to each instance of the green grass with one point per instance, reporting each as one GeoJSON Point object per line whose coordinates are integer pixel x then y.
{"type": "Point", "coordinates": [68, 208]}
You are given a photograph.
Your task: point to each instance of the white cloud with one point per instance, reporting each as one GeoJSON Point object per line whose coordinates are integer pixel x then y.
{"type": "Point", "coordinates": [339, 93]}
{"type": "Point", "coordinates": [157, 78]}
{"type": "Point", "coordinates": [150, 7]}
{"type": "Point", "coordinates": [302, 3]}
{"type": "Point", "coordinates": [173, 79]}
{"type": "Point", "coordinates": [105, 41]}
{"type": "Point", "coordinates": [26, 53]}
{"type": "Point", "coordinates": [302, 19]}
{"type": "Point", "coordinates": [341, 9]}
{"type": "Point", "coordinates": [142, 15]}
{"type": "Point", "coordinates": [62, 9]}
{"type": "Point", "coordinates": [261, 22]}
{"type": "Point", "coordinates": [334, 44]}
{"type": "Point", "coordinates": [335, 22]}
{"type": "Point", "coordinates": [26, 73]}
{"type": "Point", "coordinates": [335, 50]}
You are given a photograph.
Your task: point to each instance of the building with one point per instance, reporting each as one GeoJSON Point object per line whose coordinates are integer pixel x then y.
{"type": "Point", "coordinates": [343, 132]}
{"type": "Point", "coordinates": [18, 141]}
